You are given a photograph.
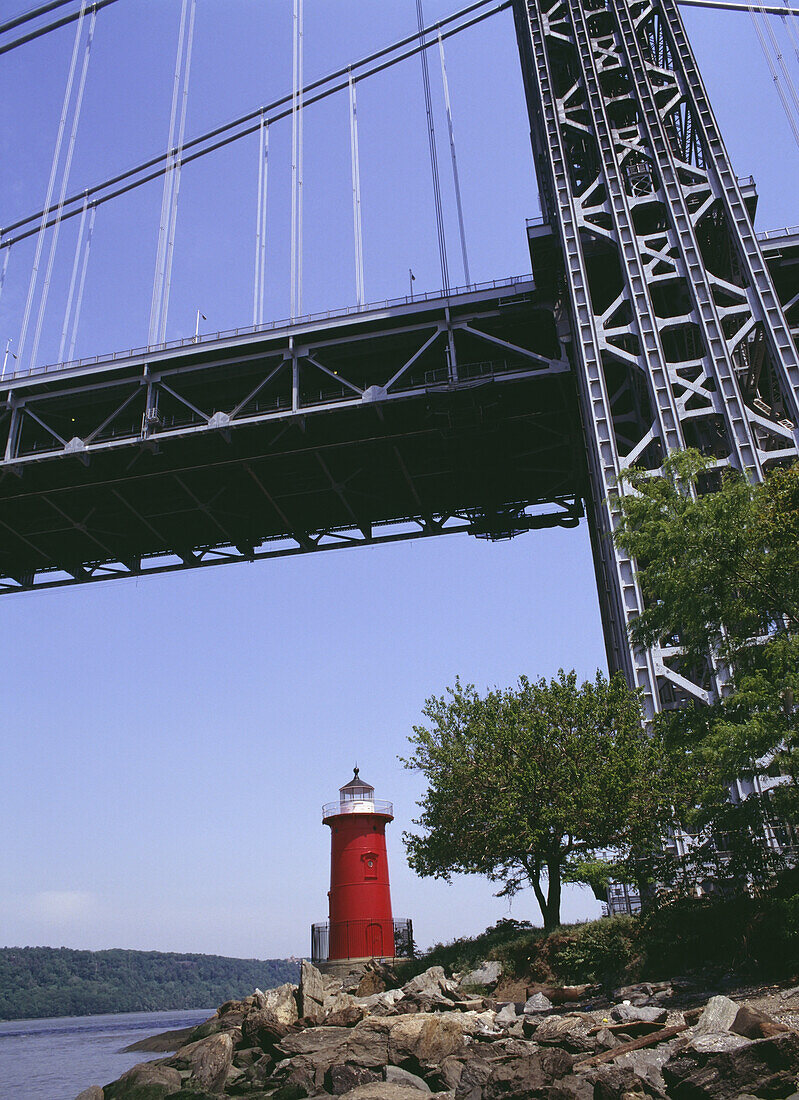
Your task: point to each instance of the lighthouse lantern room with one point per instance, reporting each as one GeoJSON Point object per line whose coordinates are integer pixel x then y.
{"type": "Point", "coordinates": [361, 924]}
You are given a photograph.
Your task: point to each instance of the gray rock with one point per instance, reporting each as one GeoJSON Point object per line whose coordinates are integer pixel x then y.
{"type": "Point", "coordinates": [719, 1015]}
{"type": "Point", "coordinates": [92, 1093]}
{"type": "Point", "coordinates": [144, 1082]}
{"type": "Point", "coordinates": [311, 992]}
{"type": "Point", "coordinates": [367, 1042]}
{"type": "Point", "coordinates": [765, 1067]}
{"type": "Point", "coordinates": [648, 1064]}
{"type": "Point", "coordinates": [506, 1017]}
{"type": "Point", "coordinates": [486, 973]}
{"type": "Point", "coordinates": [343, 1078]}
{"type": "Point", "coordinates": [398, 1076]}
{"type": "Point", "coordinates": [626, 1014]}
{"type": "Point", "coordinates": [569, 1032]}
{"type": "Point", "coordinates": [382, 1090]}
{"type": "Point", "coordinates": [423, 1039]}
{"type": "Point", "coordinates": [282, 1001]}
{"type": "Point", "coordinates": [537, 1003]}
{"type": "Point", "coordinates": [522, 1077]}
{"type": "Point", "coordinates": [210, 1060]}
{"type": "Point", "coordinates": [315, 1039]}
{"type": "Point", "coordinates": [716, 1042]}
{"type": "Point", "coordinates": [429, 981]}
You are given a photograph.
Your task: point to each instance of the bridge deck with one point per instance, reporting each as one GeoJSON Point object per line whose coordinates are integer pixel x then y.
{"type": "Point", "coordinates": [411, 419]}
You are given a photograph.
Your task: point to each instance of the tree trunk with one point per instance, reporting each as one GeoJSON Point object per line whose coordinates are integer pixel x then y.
{"type": "Point", "coordinates": [552, 909]}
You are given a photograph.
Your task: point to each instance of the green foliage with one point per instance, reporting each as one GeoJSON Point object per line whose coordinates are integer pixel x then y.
{"type": "Point", "coordinates": [526, 784]}
{"type": "Point", "coordinates": [602, 951]}
{"type": "Point", "coordinates": [720, 574]}
{"type": "Point", "coordinates": [38, 982]}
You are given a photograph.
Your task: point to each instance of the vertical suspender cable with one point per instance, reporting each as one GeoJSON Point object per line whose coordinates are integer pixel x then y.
{"type": "Point", "coordinates": [775, 76]}
{"type": "Point", "coordinates": [455, 176]}
{"type": "Point", "coordinates": [73, 280]}
{"type": "Point", "coordinates": [4, 269]}
{"type": "Point", "coordinates": [356, 194]}
{"type": "Point", "coordinates": [788, 21]}
{"type": "Point", "coordinates": [166, 198]}
{"type": "Point", "coordinates": [84, 269]}
{"type": "Point", "coordinates": [296, 157]}
{"type": "Point", "coordinates": [781, 62]}
{"type": "Point", "coordinates": [260, 231]}
{"type": "Point", "coordinates": [64, 182]}
{"type": "Point", "coordinates": [258, 225]}
{"type": "Point", "coordinates": [431, 137]}
{"type": "Point", "coordinates": [51, 183]}
{"type": "Point", "coordinates": [173, 213]}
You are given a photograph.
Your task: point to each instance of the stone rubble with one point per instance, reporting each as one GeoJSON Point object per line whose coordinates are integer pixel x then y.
{"type": "Point", "coordinates": [358, 1039]}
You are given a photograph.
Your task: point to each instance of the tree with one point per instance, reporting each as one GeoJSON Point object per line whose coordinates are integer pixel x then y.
{"type": "Point", "coordinates": [527, 785]}
{"type": "Point", "coordinates": [718, 562]}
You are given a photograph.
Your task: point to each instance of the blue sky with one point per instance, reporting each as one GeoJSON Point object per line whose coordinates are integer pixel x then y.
{"type": "Point", "coordinates": [167, 743]}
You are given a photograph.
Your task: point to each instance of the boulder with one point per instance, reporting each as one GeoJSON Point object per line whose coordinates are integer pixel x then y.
{"type": "Point", "coordinates": [521, 1078]}
{"type": "Point", "coordinates": [325, 1040]}
{"type": "Point", "coordinates": [716, 1042]}
{"type": "Point", "coordinates": [626, 1014]}
{"type": "Point", "coordinates": [342, 1078]}
{"type": "Point", "coordinates": [263, 1029]}
{"type": "Point", "coordinates": [764, 1067]}
{"type": "Point", "coordinates": [311, 992]}
{"type": "Point", "coordinates": [383, 1090]}
{"type": "Point", "coordinates": [282, 1002]}
{"type": "Point", "coordinates": [145, 1081]}
{"type": "Point", "coordinates": [755, 1024]}
{"type": "Point", "coordinates": [397, 1076]}
{"type": "Point", "coordinates": [429, 981]}
{"type": "Point", "coordinates": [209, 1061]}
{"type": "Point", "coordinates": [485, 973]}
{"type": "Point", "coordinates": [537, 1003]}
{"type": "Point", "coordinates": [719, 1015]}
{"type": "Point", "coordinates": [92, 1093]}
{"type": "Point", "coordinates": [620, 1083]}
{"type": "Point", "coordinates": [349, 1016]}
{"type": "Point", "coordinates": [506, 1017]}
{"type": "Point", "coordinates": [569, 1032]}
{"type": "Point", "coordinates": [423, 1040]}
{"type": "Point", "coordinates": [367, 1042]}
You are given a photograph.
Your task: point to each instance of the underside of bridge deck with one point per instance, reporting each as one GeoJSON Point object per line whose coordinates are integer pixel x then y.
{"type": "Point", "coordinates": [412, 420]}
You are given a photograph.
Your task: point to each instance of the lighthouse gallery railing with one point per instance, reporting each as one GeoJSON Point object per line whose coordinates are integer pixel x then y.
{"type": "Point", "coordinates": [355, 932]}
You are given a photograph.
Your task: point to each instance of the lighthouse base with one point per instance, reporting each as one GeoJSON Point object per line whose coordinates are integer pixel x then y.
{"type": "Point", "coordinates": [353, 969]}
{"type": "Point", "coordinates": [352, 942]}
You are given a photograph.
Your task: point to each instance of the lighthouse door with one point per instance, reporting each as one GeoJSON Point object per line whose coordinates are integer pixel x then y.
{"type": "Point", "coordinates": [374, 940]}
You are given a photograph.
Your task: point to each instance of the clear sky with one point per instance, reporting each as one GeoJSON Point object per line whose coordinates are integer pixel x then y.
{"type": "Point", "coordinates": [168, 742]}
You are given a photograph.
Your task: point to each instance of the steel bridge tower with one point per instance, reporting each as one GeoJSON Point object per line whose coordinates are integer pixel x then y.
{"type": "Point", "coordinates": [663, 298]}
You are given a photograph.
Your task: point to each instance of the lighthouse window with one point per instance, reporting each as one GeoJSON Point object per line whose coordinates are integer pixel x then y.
{"type": "Point", "coordinates": [369, 865]}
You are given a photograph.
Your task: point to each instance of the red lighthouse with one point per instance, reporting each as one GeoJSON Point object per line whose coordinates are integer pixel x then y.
{"type": "Point", "coordinates": [361, 924]}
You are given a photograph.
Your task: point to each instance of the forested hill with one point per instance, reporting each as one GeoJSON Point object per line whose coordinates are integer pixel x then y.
{"type": "Point", "coordinates": [57, 981]}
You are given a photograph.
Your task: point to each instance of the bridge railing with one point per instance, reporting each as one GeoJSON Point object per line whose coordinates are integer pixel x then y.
{"type": "Point", "coordinates": [270, 326]}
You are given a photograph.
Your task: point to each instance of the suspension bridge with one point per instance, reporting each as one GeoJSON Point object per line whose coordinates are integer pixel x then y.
{"type": "Point", "coordinates": [652, 318]}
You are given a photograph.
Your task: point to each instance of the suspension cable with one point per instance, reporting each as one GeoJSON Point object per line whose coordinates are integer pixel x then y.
{"type": "Point", "coordinates": [260, 230]}
{"type": "Point", "coordinates": [132, 177]}
{"type": "Point", "coordinates": [781, 62]}
{"type": "Point", "coordinates": [455, 177]}
{"type": "Point", "coordinates": [296, 157]}
{"type": "Point", "coordinates": [33, 13]}
{"type": "Point", "coordinates": [98, 5]}
{"type": "Point", "coordinates": [82, 285]}
{"type": "Point", "coordinates": [173, 214]}
{"type": "Point", "coordinates": [50, 185]}
{"type": "Point", "coordinates": [431, 138]}
{"type": "Point", "coordinates": [3, 270]}
{"type": "Point", "coordinates": [166, 198]}
{"type": "Point", "coordinates": [64, 181]}
{"type": "Point", "coordinates": [788, 20]}
{"type": "Point", "coordinates": [72, 282]}
{"type": "Point", "coordinates": [775, 76]}
{"type": "Point", "coordinates": [357, 224]}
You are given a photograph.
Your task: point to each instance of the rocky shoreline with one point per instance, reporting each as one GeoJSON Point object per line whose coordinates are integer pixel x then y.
{"type": "Point", "coordinates": [435, 1037]}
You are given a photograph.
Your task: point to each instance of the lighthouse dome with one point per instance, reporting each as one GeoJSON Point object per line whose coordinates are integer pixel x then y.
{"type": "Point", "coordinates": [357, 797]}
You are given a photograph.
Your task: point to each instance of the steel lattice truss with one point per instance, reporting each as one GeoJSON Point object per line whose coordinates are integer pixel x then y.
{"type": "Point", "coordinates": [416, 419]}
{"type": "Point", "coordinates": [676, 331]}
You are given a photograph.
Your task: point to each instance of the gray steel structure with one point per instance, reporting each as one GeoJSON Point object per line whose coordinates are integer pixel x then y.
{"type": "Point", "coordinates": [654, 319]}
{"type": "Point", "coordinates": [669, 312]}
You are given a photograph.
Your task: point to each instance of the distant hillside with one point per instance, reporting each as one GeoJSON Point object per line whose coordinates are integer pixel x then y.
{"type": "Point", "coordinates": [55, 981]}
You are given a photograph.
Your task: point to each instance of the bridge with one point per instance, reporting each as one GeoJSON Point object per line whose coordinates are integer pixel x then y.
{"type": "Point", "coordinates": [652, 318]}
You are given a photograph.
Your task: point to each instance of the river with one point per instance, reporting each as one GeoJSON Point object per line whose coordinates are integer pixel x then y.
{"type": "Point", "coordinates": [58, 1058]}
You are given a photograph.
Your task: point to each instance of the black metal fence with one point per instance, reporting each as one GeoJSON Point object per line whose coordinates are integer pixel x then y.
{"type": "Point", "coordinates": [355, 939]}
